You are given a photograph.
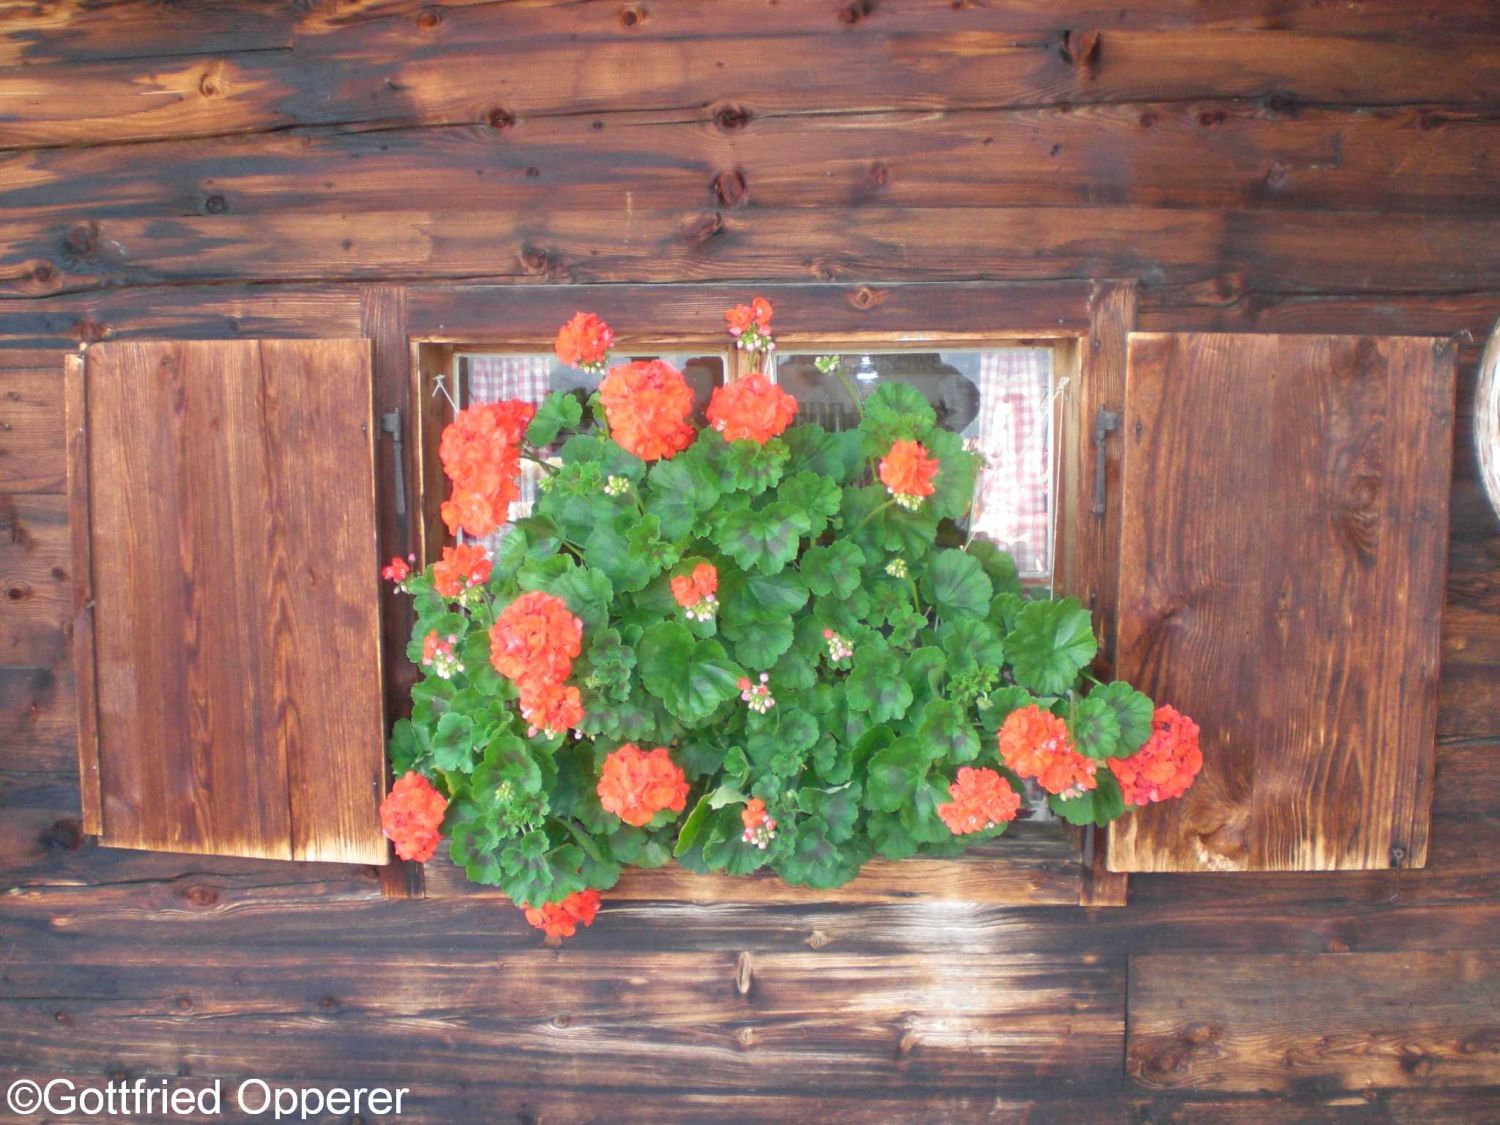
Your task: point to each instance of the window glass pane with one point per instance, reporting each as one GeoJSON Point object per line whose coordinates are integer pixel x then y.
{"type": "Point", "coordinates": [493, 377]}
{"type": "Point", "coordinates": [999, 399]}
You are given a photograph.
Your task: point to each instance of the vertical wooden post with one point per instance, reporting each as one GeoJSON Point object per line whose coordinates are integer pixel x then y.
{"type": "Point", "coordinates": [1089, 554]}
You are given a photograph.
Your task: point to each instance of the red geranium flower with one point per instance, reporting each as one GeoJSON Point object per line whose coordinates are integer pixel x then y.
{"type": "Point", "coordinates": [1166, 765]}
{"type": "Point", "coordinates": [981, 799]}
{"type": "Point", "coordinates": [475, 512]}
{"type": "Point", "coordinates": [753, 408]}
{"type": "Point", "coordinates": [553, 707]}
{"type": "Point", "coordinates": [562, 919]}
{"type": "Point", "coordinates": [411, 816]}
{"type": "Point", "coordinates": [690, 589]}
{"type": "Point", "coordinates": [760, 827]}
{"type": "Point", "coordinates": [535, 639]}
{"type": "Point", "coordinates": [907, 472]}
{"type": "Point", "coordinates": [583, 341]}
{"type": "Point", "coordinates": [397, 570]}
{"type": "Point", "coordinates": [481, 454]}
{"type": "Point", "coordinates": [635, 786]}
{"type": "Point", "coordinates": [1036, 743]}
{"type": "Point", "coordinates": [648, 404]}
{"type": "Point", "coordinates": [757, 315]}
{"type": "Point", "coordinates": [462, 568]}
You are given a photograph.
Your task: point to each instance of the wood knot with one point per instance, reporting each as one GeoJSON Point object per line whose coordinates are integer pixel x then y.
{"type": "Point", "coordinates": [183, 1004]}
{"type": "Point", "coordinates": [64, 835]}
{"type": "Point", "coordinates": [83, 240]}
{"type": "Point", "coordinates": [730, 117]}
{"type": "Point", "coordinates": [1283, 104]}
{"type": "Point", "coordinates": [499, 118]}
{"type": "Point", "coordinates": [880, 174]}
{"type": "Point", "coordinates": [743, 978]}
{"type": "Point", "coordinates": [532, 172]}
{"type": "Point", "coordinates": [1428, 119]}
{"type": "Point", "coordinates": [88, 331]}
{"type": "Point", "coordinates": [1211, 117]}
{"type": "Point", "coordinates": [537, 261]}
{"type": "Point", "coordinates": [216, 204]}
{"type": "Point", "coordinates": [817, 939]}
{"type": "Point", "coordinates": [43, 273]}
{"type": "Point", "coordinates": [856, 10]}
{"type": "Point", "coordinates": [700, 228]}
{"type": "Point", "coordinates": [824, 269]}
{"type": "Point", "coordinates": [1080, 49]}
{"type": "Point", "coordinates": [633, 16]}
{"type": "Point", "coordinates": [201, 897]}
{"type": "Point", "coordinates": [1418, 1064]}
{"type": "Point", "coordinates": [1199, 1033]}
{"type": "Point", "coordinates": [19, 592]}
{"type": "Point", "coordinates": [745, 1037]}
{"type": "Point", "coordinates": [1398, 856]}
{"type": "Point", "coordinates": [209, 85]}
{"type": "Point", "coordinates": [1149, 119]}
{"type": "Point", "coordinates": [729, 187]}
{"type": "Point", "coordinates": [61, 1016]}
{"type": "Point", "coordinates": [429, 18]}
{"type": "Point", "coordinates": [908, 1042]}
{"type": "Point", "coordinates": [562, 1021]}
{"type": "Point", "coordinates": [866, 297]}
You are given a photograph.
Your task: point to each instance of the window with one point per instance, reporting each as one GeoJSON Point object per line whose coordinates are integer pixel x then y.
{"type": "Point", "coordinates": [494, 376]}
{"type": "Point", "coordinates": [1000, 399]}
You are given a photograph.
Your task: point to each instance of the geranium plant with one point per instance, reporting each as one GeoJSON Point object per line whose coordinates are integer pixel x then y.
{"type": "Point", "coordinates": [754, 645]}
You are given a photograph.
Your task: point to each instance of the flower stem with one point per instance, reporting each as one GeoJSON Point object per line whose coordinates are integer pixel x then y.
{"type": "Point", "coordinates": [871, 515]}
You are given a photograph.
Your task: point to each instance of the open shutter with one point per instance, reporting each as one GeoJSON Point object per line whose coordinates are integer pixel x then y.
{"type": "Point", "coordinates": [227, 637]}
{"type": "Point", "coordinates": [1283, 555]}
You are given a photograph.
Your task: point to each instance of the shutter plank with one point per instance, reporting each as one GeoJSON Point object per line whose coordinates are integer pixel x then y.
{"type": "Point", "coordinates": [230, 516]}
{"type": "Point", "coordinates": [1282, 565]}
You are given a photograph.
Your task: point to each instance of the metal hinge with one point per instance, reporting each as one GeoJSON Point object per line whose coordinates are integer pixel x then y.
{"type": "Point", "coordinates": [1106, 422]}
{"type": "Point", "coordinates": [390, 423]}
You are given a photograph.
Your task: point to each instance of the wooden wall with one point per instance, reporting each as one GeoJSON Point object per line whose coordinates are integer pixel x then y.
{"type": "Point", "coordinates": [306, 169]}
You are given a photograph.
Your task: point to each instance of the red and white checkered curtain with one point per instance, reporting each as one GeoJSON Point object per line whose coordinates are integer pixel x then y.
{"type": "Point", "coordinates": [1012, 506]}
{"type": "Point", "coordinates": [500, 378]}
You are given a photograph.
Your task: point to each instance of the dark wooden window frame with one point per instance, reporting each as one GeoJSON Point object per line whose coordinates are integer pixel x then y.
{"type": "Point", "coordinates": [1090, 321]}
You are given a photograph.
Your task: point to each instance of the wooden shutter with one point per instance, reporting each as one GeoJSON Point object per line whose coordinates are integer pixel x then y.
{"type": "Point", "coordinates": [1283, 554]}
{"type": "Point", "coordinates": [227, 639]}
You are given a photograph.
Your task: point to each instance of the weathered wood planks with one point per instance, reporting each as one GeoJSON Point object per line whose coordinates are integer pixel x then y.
{"type": "Point", "coordinates": [1285, 511]}
{"type": "Point", "coordinates": [229, 515]}
{"type": "Point", "coordinates": [1271, 1023]}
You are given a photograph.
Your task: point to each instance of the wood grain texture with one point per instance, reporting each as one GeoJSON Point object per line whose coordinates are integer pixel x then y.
{"type": "Point", "coordinates": [1284, 523]}
{"type": "Point", "coordinates": [1227, 153]}
{"type": "Point", "coordinates": [33, 456]}
{"type": "Point", "coordinates": [231, 525]}
{"type": "Point", "coordinates": [1272, 250]}
{"type": "Point", "coordinates": [436, 71]}
{"type": "Point", "coordinates": [1264, 1023]}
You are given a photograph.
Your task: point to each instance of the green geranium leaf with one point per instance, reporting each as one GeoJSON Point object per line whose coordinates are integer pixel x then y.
{"type": "Point", "coordinates": [890, 837]}
{"type": "Point", "coordinates": [817, 860]}
{"type": "Point", "coordinates": [751, 467]}
{"type": "Point", "coordinates": [945, 733]}
{"type": "Point", "coordinates": [763, 540]}
{"type": "Point", "coordinates": [895, 412]}
{"type": "Point", "coordinates": [1098, 806]}
{"type": "Point", "coordinates": [956, 583]}
{"type": "Point", "coordinates": [409, 749]}
{"type": "Point", "coordinates": [834, 569]}
{"type": "Point", "coordinates": [559, 410]}
{"type": "Point", "coordinates": [998, 564]}
{"type": "Point", "coordinates": [761, 597]}
{"type": "Point", "coordinates": [534, 872]}
{"type": "Point", "coordinates": [678, 492]}
{"type": "Point", "coordinates": [588, 594]}
{"type": "Point", "coordinates": [875, 686]}
{"type": "Point", "coordinates": [954, 483]}
{"type": "Point", "coordinates": [1095, 728]}
{"type": "Point", "coordinates": [1051, 643]}
{"type": "Point", "coordinates": [691, 677]}
{"type": "Point", "coordinates": [838, 808]}
{"type": "Point", "coordinates": [453, 743]}
{"type": "Point", "coordinates": [759, 644]}
{"type": "Point", "coordinates": [893, 774]}
{"type": "Point", "coordinates": [816, 495]}
{"type": "Point", "coordinates": [1134, 712]}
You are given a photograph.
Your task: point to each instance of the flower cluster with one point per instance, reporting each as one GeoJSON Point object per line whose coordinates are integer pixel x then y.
{"type": "Point", "coordinates": [462, 572]}
{"type": "Point", "coordinates": [907, 473]}
{"type": "Point", "coordinates": [411, 816]}
{"type": "Point", "coordinates": [839, 647]}
{"type": "Point", "coordinates": [750, 325]}
{"type": "Point", "coordinates": [481, 454]}
{"type": "Point", "coordinates": [650, 408]}
{"type": "Point", "coordinates": [584, 342]}
{"type": "Point", "coordinates": [751, 409]}
{"type": "Point", "coordinates": [635, 785]}
{"type": "Point", "coordinates": [616, 486]}
{"type": "Point", "coordinates": [757, 696]}
{"type": "Point", "coordinates": [398, 570]}
{"type": "Point", "coordinates": [982, 799]}
{"type": "Point", "coordinates": [438, 656]}
{"type": "Point", "coordinates": [1036, 744]}
{"type": "Point", "coordinates": [760, 828]}
{"type": "Point", "coordinates": [897, 568]}
{"type": "Point", "coordinates": [533, 643]}
{"type": "Point", "coordinates": [562, 919]}
{"type": "Point", "coordinates": [696, 592]}
{"type": "Point", "coordinates": [1166, 765]}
